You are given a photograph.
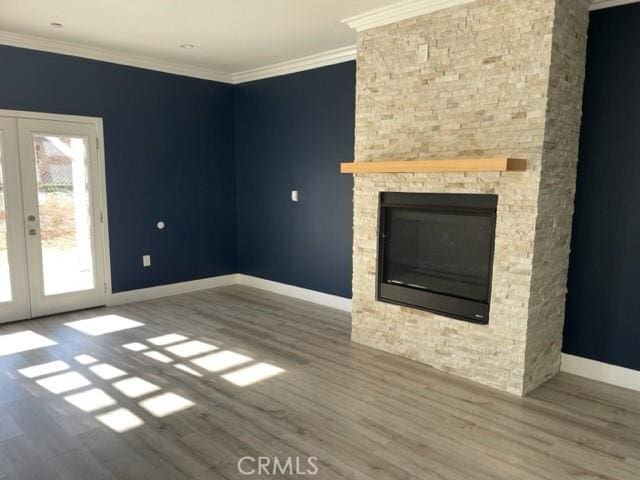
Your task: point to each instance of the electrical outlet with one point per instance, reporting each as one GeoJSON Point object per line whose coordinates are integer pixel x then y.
{"type": "Point", "coordinates": [146, 260]}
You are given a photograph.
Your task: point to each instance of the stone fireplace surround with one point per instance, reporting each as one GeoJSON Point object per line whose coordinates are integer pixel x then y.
{"type": "Point", "coordinates": [503, 77]}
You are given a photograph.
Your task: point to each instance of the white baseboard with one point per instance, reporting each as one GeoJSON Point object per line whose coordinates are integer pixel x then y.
{"type": "Point", "coordinates": [602, 372]}
{"type": "Point", "coordinates": [132, 296]}
{"type": "Point", "coordinates": [313, 296]}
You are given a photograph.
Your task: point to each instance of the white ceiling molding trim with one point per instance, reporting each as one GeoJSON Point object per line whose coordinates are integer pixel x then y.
{"type": "Point", "coordinates": [330, 57]}
{"type": "Point", "coordinates": [103, 55]}
{"type": "Point", "coordinates": [413, 8]}
{"type": "Point", "coordinates": [600, 4]}
{"type": "Point", "coordinates": [397, 12]}
{"type": "Point", "coordinates": [323, 59]}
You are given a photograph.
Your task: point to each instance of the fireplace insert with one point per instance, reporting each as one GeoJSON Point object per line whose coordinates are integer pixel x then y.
{"type": "Point", "coordinates": [435, 252]}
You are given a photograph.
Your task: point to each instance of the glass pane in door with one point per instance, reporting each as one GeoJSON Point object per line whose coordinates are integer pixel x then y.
{"type": "Point", "coordinates": [65, 221]}
{"type": "Point", "coordinates": [5, 276]}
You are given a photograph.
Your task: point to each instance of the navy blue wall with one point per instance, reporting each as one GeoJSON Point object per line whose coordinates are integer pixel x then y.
{"type": "Point", "coordinates": [603, 304]}
{"type": "Point", "coordinates": [292, 132]}
{"type": "Point", "coordinates": [169, 156]}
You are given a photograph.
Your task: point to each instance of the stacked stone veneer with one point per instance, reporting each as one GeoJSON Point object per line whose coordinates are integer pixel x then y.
{"type": "Point", "coordinates": [503, 77]}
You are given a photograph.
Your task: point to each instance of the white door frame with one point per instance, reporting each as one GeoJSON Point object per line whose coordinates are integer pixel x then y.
{"type": "Point", "coordinates": [19, 305]}
{"type": "Point", "coordinates": [103, 231]}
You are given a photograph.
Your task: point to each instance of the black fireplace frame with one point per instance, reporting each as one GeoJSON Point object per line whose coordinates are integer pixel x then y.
{"type": "Point", "coordinates": [442, 304]}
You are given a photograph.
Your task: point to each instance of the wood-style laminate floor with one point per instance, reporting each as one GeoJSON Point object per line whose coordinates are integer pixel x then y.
{"type": "Point", "coordinates": [210, 377]}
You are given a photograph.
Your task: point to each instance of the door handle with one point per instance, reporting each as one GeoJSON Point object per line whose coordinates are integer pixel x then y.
{"type": "Point", "coordinates": [32, 232]}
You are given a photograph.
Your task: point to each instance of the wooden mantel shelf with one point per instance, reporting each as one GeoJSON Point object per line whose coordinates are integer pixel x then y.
{"type": "Point", "coordinates": [486, 164]}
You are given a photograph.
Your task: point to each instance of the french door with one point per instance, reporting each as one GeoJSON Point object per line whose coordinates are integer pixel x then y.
{"type": "Point", "coordinates": [51, 245]}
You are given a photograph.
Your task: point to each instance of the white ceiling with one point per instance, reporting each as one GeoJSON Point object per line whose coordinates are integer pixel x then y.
{"type": "Point", "coordinates": [229, 35]}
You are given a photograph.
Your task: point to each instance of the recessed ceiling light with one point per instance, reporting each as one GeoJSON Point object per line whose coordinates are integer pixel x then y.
{"type": "Point", "coordinates": [187, 46]}
{"type": "Point", "coordinates": [56, 25]}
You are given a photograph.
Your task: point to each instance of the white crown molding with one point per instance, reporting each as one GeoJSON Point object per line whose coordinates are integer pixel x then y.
{"type": "Point", "coordinates": [31, 42]}
{"type": "Point", "coordinates": [67, 48]}
{"type": "Point", "coordinates": [599, 5]}
{"type": "Point", "coordinates": [397, 12]}
{"type": "Point", "coordinates": [412, 8]}
{"type": "Point", "coordinates": [323, 59]}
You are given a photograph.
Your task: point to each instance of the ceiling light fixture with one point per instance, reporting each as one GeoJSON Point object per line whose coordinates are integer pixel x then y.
{"type": "Point", "coordinates": [56, 25]}
{"type": "Point", "coordinates": [187, 46]}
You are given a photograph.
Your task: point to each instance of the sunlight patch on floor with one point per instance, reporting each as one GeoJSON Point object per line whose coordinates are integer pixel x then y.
{"type": "Point", "coordinates": [107, 372]}
{"type": "Point", "coordinates": [23, 342]}
{"type": "Point", "coordinates": [165, 404]}
{"type": "Point", "coordinates": [44, 369]}
{"type": "Point", "coordinates": [190, 349]}
{"type": "Point", "coordinates": [104, 324]}
{"type": "Point", "coordinates": [120, 420]}
{"type": "Point", "coordinates": [252, 374]}
{"type": "Point", "coordinates": [217, 362]}
{"type": "Point", "coordinates": [135, 387]}
{"type": "Point", "coordinates": [64, 382]}
{"type": "Point", "coordinates": [160, 357]}
{"type": "Point", "coordinates": [56, 376]}
{"type": "Point", "coordinates": [85, 359]}
{"type": "Point", "coordinates": [91, 400]}
{"type": "Point", "coordinates": [135, 346]}
{"type": "Point", "coordinates": [80, 392]}
{"type": "Point", "coordinates": [167, 339]}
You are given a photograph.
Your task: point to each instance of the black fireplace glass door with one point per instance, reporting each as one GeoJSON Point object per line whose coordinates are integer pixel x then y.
{"type": "Point", "coordinates": [440, 252]}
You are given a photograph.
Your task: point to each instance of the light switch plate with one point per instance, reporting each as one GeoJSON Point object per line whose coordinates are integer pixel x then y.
{"type": "Point", "coordinates": [294, 195]}
{"type": "Point", "coordinates": [146, 260]}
